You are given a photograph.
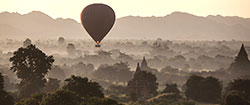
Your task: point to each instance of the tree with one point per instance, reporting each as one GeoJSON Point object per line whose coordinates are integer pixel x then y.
{"type": "Point", "coordinates": [236, 98]}
{"type": "Point", "coordinates": [124, 57]}
{"type": "Point", "coordinates": [61, 40]}
{"type": "Point", "coordinates": [71, 49]}
{"type": "Point", "coordinates": [203, 89]}
{"type": "Point", "coordinates": [82, 69]}
{"type": "Point", "coordinates": [115, 90]}
{"type": "Point", "coordinates": [61, 97]}
{"type": "Point", "coordinates": [35, 99]}
{"type": "Point", "coordinates": [5, 98]}
{"type": "Point", "coordinates": [170, 70]}
{"type": "Point", "coordinates": [27, 42]}
{"type": "Point", "coordinates": [241, 85]}
{"type": "Point", "coordinates": [119, 72]}
{"type": "Point", "coordinates": [52, 85]}
{"type": "Point", "coordinates": [1, 81]}
{"type": "Point", "coordinates": [105, 72]}
{"type": "Point", "coordinates": [171, 88]}
{"type": "Point", "coordinates": [100, 101]}
{"type": "Point", "coordinates": [57, 72]}
{"type": "Point", "coordinates": [83, 87]}
{"type": "Point", "coordinates": [123, 73]}
{"type": "Point", "coordinates": [31, 65]}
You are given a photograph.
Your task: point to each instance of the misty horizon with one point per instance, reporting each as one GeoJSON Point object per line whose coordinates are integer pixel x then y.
{"type": "Point", "coordinates": [174, 26]}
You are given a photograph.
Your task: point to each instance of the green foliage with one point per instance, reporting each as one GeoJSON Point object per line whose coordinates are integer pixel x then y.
{"type": "Point", "coordinates": [237, 93]}
{"type": "Point", "coordinates": [187, 102]}
{"type": "Point", "coordinates": [203, 89]}
{"type": "Point", "coordinates": [242, 85]}
{"type": "Point", "coordinates": [100, 101]}
{"type": "Point", "coordinates": [61, 97]}
{"type": "Point", "coordinates": [35, 99]}
{"type": "Point", "coordinates": [31, 65]}
{"type": "Point", "coordinates": [171, 88]}
{"type": "Point", "coordinates": [83, 87]}
{"type": "Point", "coordinates": [164, 99]}
{"type": "Point", "coordinates": [236, 98]}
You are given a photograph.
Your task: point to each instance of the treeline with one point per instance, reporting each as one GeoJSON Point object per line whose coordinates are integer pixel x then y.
{"type": "Point", "coordinates": [193, 55]}
{"type": "Point", "coordinates": [31, 66]}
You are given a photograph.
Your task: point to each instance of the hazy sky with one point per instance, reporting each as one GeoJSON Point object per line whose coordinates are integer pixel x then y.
{"type": "Point", "coordinates": [72, 8]}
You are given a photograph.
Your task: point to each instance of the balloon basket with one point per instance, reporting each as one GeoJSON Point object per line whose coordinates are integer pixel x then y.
{"type": "Point", "coordinates": [97, 45]}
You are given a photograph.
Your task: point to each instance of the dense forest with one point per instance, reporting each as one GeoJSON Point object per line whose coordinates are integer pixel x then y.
{"type": "Point", "coordinates": [124, 72]}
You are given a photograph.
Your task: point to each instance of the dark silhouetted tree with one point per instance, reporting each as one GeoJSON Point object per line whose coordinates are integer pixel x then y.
{"type": "Point", "coordinates": [31, 65]}
{"type": "Point", "coordinates": [35, 99]}
{"type": "Point", "coordinates": [171, 88]}
{"type": "Point", "coordinates": [203, 89]}
{"type": "Point", "coordinates": [235, 98]}
{"type": "Point", "coordinates": [100, 101]}
{"type": "Point", "coordinates": [61, 97]}
{"type": "Point", "coordinates": [27, 42]}
{"type": "Point", "coordinates": [83, 87]}
{"type": "Point", "coordinates": [5, 98]}
{"type": "Point", "coordinates": [1, 81]}
{"type": "Point", "coordinates": [241, 85]}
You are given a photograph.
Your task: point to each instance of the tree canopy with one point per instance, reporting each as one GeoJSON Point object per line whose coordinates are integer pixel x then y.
{"type": "Point", "coordinates": [235, 98]}
{"type": "Point", "coordinates": [119, 72]}
{"type": "Point", "coordinates": [203, 89]}
{"type": "Point", "coordinates": [1, 81]}
{"type": "Point", "coordinates": [240, 87]}
{"type": "Point", "coordinates": [61, 97]}
{"type": "Point", "coordinates": [5, 98]}
{"type": "Point", "coordinates": [83, 87]}
{"type": "Point", "coordinates": [171, 88]}
{"type": "Point", "coordinates": [31, 65]}
{"type": "Point", "coordinates": [100, 101]}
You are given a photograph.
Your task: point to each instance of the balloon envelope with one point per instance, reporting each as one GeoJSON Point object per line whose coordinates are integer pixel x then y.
{"type": "Point", "coordinates": [97, 19]}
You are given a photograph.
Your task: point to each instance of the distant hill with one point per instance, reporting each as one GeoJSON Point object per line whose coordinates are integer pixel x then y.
{"type": "Point", "coordinates": [175, 26]}
{"type": "Point", "coordinates": [37, 25]}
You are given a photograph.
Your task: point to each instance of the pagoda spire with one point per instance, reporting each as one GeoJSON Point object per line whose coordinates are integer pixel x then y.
{"type": "Point", "coordinates": [144, 64]}
{"type": "Point", "coordinates": [242, 54]}
{"type": "Point", "coordinates": [138, 69]}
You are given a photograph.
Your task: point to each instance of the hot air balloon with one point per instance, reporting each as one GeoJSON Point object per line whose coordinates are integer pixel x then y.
{"type": "Point", "coordinates": [97, 19]}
